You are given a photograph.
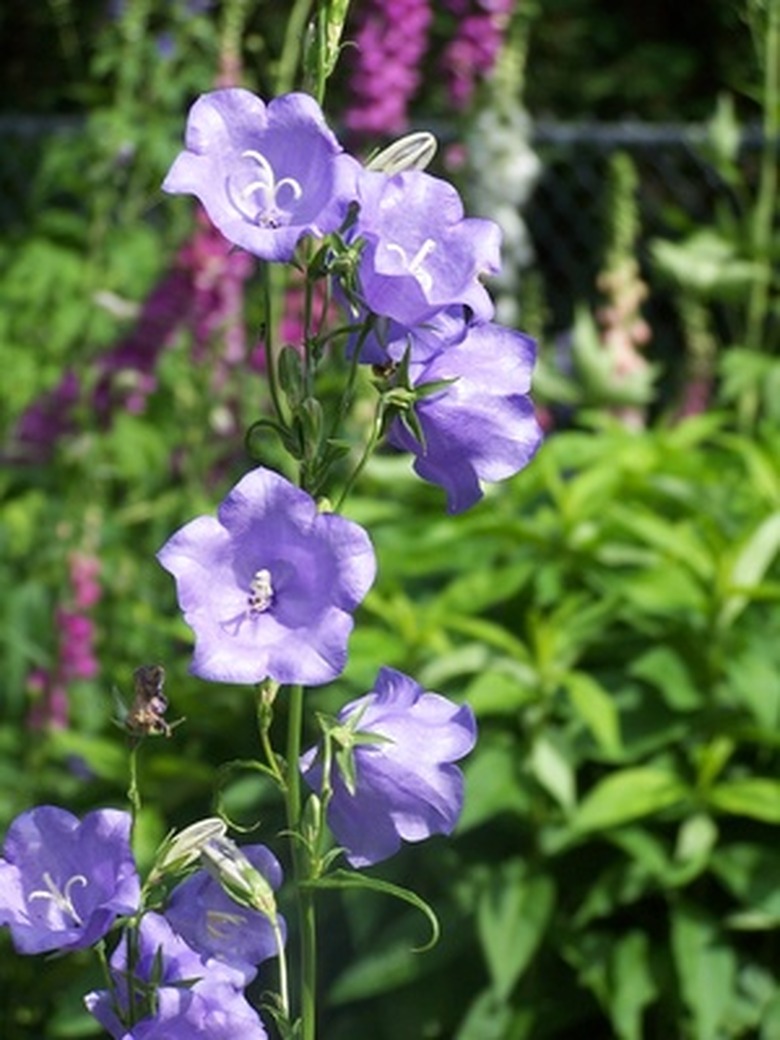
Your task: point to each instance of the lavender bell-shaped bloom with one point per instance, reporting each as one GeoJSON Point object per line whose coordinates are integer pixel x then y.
{"type": "Point", "coordinates": [194, 996]}
{"type": "Point", "coordinates": [269, 585]}
{"type": "Point", "coordinates": [480, 427]}
{"type": "Point", "coordinates": [421, 254]}
{"type": "Point", "coordinates": [64, 881]}
{"type": "Point", "coordinates": [203, 914]}
{"type": "Point", "coordinates": [405, 784]}
{"type": "Point", "coordinates": [266, 174]}
{"type": "Point", "coordinates": [189, 1015]}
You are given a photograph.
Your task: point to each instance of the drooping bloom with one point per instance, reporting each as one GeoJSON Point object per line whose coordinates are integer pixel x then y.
{"type": "Point", "coordinates": [481, 426]}
{"type": "Point", "coordinates": [193, 996]}
{"type": "Point", "coordinates": [269, 585]}
{"type": "Point", "coordinates": [64, 881]}
{"type": "Point", "coordinates": [422, 254]}
{"type": "Point", "coordinates": [405, 784]}
{"type": "Point", "coordinates": [203, 914]}
{"type": "Point", "coordinates": [266, 174]}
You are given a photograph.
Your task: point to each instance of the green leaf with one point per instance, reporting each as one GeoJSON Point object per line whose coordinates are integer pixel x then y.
{"type": "Point", "coordinates": [492, 783]}
{"type": "Point", "coordinates": [552, 768]}
{"type": "Point", "coordinates": [500, 691]}
{"type": "Point", "coordinates": [512, 916]}
{"type": "Point", "coordinates": [628, 794]}
{"type": "Point", "coordinates": [749, 567]}
{"type": "Point", "coordinates": [706, 968]}
{"type": "Point", "coordinates": [345, 880]}
{"type": "Point", "coordinates": [596, 708]}
{"type": "Point", "coordinates": [632, 984]}
{"type": "Point", "coordinates": [664, 669]}
{"type": "Point", "coordinates": [755, 797]}
{"type": "Point", "coordinates": [706, 263]}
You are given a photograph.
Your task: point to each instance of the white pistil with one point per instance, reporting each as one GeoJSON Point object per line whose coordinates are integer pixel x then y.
{"type": "Point", "coordinates": [261, 592]}
{"type": "Point", "coordinates": [220, 924]}
{"type": "Point", "coordinates": [414, 266]}
{"type": "Point", "coordinates": [266, 211]}
{"type": "Point", "coordinates": [62, 899]}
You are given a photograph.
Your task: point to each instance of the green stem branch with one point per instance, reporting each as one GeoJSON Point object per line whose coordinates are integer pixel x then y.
{"type": "Point", "coordinates": [301, 864]}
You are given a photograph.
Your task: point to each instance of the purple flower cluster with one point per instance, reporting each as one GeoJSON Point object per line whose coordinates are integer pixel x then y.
{"type": "Point", "coordinates": [76, 658]}
{"type": "Point", "coordinates": [391, 38]}
{"type": "Point", "coordinates": [271, 175]}
{"type": "Point", "coordinates": [203, 292]}
{"type": "Point", "coordinates": [196, 959]}
{"type": "Point", "coordinates": [472, 52]}
{"type": "Point", "coordinates": [64, 884]}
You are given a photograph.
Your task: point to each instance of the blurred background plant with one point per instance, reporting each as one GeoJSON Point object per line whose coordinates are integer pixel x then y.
{"type": "Point", "coordinates": [612, 614]}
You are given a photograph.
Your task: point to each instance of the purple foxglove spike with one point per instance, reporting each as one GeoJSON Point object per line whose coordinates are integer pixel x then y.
{"type": "Point", "coordinates": [406, 786]}
{"type": "Point", "coordinates": [482, 427]}
{"type": "Point", "coordinates": [266, 174]}
{"type": "Point", "coordinates": [64, 881]}
{"type": "Point", "coordinates": [270, 584]}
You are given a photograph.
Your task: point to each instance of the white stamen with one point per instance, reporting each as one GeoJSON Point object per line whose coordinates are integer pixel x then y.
{"type": "Point", "coordinates": [265, 211]}
{"type": "Point", "coordinates": [414, 266]}
{"type": "Point", "coordinates": [261, 592]}
{"type": "Point", "coordinates": [61, 899]}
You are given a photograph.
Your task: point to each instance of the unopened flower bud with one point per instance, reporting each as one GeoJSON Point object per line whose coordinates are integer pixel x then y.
{"type": "Point", "coordinates": [181, 850]}
{"type": "Point", "coordinates": [228, 865]}
{"type": "Point", "coordinates": [411, 152]}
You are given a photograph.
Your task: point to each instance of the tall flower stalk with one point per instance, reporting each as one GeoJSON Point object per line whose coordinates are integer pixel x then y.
{"type": "Point", "coordinates": [271, 582]}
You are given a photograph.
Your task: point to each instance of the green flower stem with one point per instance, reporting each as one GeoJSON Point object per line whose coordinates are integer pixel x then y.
{"type": "Point", "coordinates": [133, 790]}
{"type": "Point", "coordinates": [371, 443]}
{"type": "Point", "coordinates": [271, 292]}
{"type": "Point", "coordinates": [766, 201]}
{"type": "Point", "coordinates": [293, 46]}
{"type": "Point", "coordinates": [301, 870]}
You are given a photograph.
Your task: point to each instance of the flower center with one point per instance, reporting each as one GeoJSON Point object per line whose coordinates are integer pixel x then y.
{"type": "Point", "coordinates": [61, 898]}
{"type": "Point", "coordinates": [259, 201]}
{"type": "Point", "coordinates": [415, 265]}
{"type": "Point", "coordinates": [261, 592]}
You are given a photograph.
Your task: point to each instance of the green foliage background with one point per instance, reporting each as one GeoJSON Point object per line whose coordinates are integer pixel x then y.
{"type": "Point", "coordinates": [611, 614]}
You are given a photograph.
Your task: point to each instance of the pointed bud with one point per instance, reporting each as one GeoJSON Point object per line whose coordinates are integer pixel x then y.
{"type": "Point", "coordinates": [179, 851]}
{"type": "Point", "coordinates": [412, 152]}
{"type": "Point", "coordinates": [228, 865]}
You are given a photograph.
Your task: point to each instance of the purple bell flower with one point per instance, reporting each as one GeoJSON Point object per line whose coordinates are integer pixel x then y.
{"type": "Point", "coordinates": [192, 992]}
{"type": "Point", "coordinates": [421, 254]}
{"type": "Point", "coordinates": [269, 584]}
{"type": "Point", "coordinates": [203, 914]}
{"type": "Point", "coordinates": [266, 174]}
{"type": "Point", "coordinates": [482, 426]}
{"type": "Point", "coordinates": [190, 1015]}
{"type": "Point", "coordinates": [405, 785]}
{"type": "Point", "coordinates": [64, 881]}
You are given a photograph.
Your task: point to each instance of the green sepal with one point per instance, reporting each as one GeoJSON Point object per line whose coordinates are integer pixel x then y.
{"type": "Point", "coordinates": [312, 422]}
{"type": "Point", "coordinates": [290, 369]}
{"type": "Point", "coordinates": [345, 879]}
